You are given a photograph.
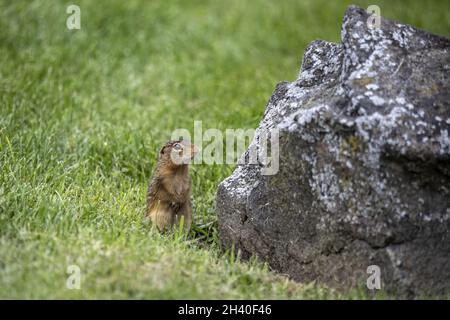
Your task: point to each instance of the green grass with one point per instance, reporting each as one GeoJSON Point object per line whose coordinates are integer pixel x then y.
{"type": "Point", "coordinates": [83, 113]}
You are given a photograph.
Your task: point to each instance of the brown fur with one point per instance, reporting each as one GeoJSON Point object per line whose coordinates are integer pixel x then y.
{"type": "Point", "coordinates": [168, 195]}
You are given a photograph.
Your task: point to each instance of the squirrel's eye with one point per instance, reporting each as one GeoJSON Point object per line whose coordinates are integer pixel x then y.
{"type": "Point", "coordinates": [177, 147]}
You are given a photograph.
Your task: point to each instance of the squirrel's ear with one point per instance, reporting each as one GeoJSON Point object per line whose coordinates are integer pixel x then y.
{"type": "Point", "coordinates": [162, 150]}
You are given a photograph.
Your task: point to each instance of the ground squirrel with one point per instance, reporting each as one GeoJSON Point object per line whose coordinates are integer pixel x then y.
{"type": "Point", "coordinates": [168, 195]}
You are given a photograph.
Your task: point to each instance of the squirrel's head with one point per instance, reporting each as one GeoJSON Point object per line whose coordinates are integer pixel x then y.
{"type": "Point", "coordinates": [178, 152]}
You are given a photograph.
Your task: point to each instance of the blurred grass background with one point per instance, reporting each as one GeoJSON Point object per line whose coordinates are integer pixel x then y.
{"type": "Point", "coordinates": [82, 116]}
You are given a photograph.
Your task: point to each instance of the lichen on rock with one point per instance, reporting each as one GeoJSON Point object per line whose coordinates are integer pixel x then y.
{"type": "Point", "coordinates": [364, 175]}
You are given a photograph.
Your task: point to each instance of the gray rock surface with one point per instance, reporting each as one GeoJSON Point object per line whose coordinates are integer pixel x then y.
{"type": "Point", "coordinates": [364, 175]}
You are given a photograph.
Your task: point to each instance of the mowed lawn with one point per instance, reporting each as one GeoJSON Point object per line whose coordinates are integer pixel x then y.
{"type": "Point", "coordinates": [83, 114]}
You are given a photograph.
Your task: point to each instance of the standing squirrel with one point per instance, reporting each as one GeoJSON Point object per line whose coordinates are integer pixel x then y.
{"type": "Point", "coordinates": [168, 195]}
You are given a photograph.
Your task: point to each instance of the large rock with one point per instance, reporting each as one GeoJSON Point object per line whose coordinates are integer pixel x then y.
{"type": "Point", "coordinates": [364, 175]}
